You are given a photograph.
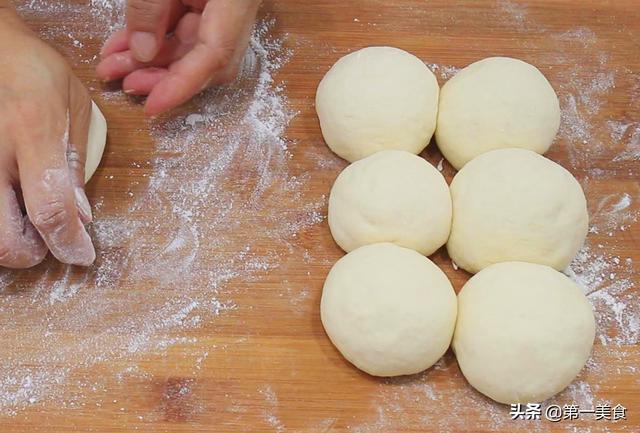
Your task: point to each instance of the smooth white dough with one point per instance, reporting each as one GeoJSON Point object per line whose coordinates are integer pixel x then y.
{"type": "Point", "coordinates": [391, 196]}
{"type": "Point", "coordinates": [96, 141]}
{"type": "Point", "coordinates": [496, 103]}
{"type": "Point", "coordinates": [516, 205]}
{"type": "Point", "coordinates": [523, 333]}
{"type": "Point", "coordinates": [389, 310]}
{"type": "Point", "coordinates": [377, 98]}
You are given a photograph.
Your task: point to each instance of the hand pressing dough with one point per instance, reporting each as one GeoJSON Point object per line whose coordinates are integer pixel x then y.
{"type": "Point", "coordinates": [391, 196]}
{"type": "Point", "coordinates": [515, 205]}
{"type": "Point", "coordinates": [96, 141]}
{"type": "Point", "coordinates": [377, 98]}
{"type": "Point", "coordinates": [389, 310]}
{"type": "Point", "coordinates": [496, 103]}
{"type": "Point", "coordinates": [524, 332]}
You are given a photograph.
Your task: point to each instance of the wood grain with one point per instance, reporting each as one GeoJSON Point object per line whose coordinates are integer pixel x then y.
{"type": "Point", "coordinates": [277, 371]}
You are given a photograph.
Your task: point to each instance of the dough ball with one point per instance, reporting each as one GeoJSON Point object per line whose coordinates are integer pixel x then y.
{"type": "Point", "coordinates": [389, 310]}
{"type": "Point", "coordinates": [390, 196]}
{"type": "Point", "coordinates": [96, 141]}
{"type": "Point", "coordinates": [377, 98]}
{"type": "Point", "coordinates": [524, 332]}
{"type": "Point", "coordinates": [515, 205]}
{"type": "Point", "coordinates": [496, 103]}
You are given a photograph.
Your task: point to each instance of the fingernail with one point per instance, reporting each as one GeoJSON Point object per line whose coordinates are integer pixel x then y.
{"type": "Point", "coordinates": [144, 46]}
{"type": "Point", "coordinates": [89, 255]}
{"type": "Point", "coordinates": [84, 208]}
{"type": "Point", "coordinates": [83, 253]}
{"type": "Point", "coordinates": [75, 251]}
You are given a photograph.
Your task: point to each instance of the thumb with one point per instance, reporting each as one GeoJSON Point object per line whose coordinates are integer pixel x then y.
{"type": "Point", "coordinates": [147, 24]}
{"type": "Point", "coordinates": [80, 107]}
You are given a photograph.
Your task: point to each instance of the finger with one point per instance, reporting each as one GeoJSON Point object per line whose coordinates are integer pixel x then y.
{"type": "Point", "coordinates": [188, 28]}
{"type": "Point", "coordinates": [224, 30]}
{"type": "Point", "coordinates": [142, 81]}
{"type": "Point", "coordinates": [119, 41]}
{"type": "Point", "coordinates": [182, 83]}
{"type": "Point", "coordinates": [20, 244]}
{"type": "Point", "coordinates": [47, 186]}
{"type": "Point", "coordinates": [147, 24]}
{"type": "Point", "coordinates": [80, 119]}
{"type": "Point", "coordinates": [121, 64]}
{"type": "Point", "coordinates": [117, 65]}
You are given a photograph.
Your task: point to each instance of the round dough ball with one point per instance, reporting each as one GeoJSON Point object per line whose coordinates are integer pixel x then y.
{"type": "Point", "coordinates": [95, 142]}
{"type": "Point", "coordinates": [391, 196]}
{"type": "Point", "coordinates": [496, 103]}
{"type": "Point", "coordinates": [515, 205]}
{"type": "Point", "coordinates": [524, 332]}
{"type": "Point", "coordinates": [377, 98]}
{"type": "Point", "coordinates": [389, 310]}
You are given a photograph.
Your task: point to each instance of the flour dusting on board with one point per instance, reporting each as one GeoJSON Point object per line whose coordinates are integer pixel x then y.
{"type": "Point", "coordinates": [443, 72]}
{"type": "Point", "coordinates": [191, 202]}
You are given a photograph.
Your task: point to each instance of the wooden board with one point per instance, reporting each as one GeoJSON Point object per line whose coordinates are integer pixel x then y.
{"type": "Point", "coordinates": [265, 365]}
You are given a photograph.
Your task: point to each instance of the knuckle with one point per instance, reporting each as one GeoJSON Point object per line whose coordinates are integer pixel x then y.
{"type": "Point", "coordinates": [50, 216]}
{"type": "Point", "coordinates": [75, 159]}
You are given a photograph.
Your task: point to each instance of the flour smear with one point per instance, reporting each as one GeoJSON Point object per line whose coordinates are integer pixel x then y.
{"type": "Point", "coordinates": [192, 202]}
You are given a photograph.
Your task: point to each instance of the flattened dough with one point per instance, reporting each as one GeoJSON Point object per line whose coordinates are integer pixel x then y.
{"type": "Point", "coordinates": [96, 141]}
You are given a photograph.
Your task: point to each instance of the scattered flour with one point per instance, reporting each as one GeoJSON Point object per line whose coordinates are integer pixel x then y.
{"type": "Point", "coordinates": [609, 284]}
{"type": "Point", "coordinates": [627, 133]}
{"type": "Point", "coordinates": [168, 248]}
{"type": "Point", "coordinates": [514, 12]}
{"type": "Point", "coordinates": [443, 72]}
{"type": "Point", "coordinates": [269, 414]}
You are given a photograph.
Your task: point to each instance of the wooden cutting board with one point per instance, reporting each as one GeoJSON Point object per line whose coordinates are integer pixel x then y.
{"type": "Point", "coordinates": [262, 363]}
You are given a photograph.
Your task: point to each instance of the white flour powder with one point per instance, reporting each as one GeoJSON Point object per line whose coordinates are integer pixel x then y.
{"type": "Point", "coordinates": [193, 208]}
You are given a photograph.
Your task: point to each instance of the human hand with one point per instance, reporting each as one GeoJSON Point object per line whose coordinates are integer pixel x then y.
{"type": "Point", "coordinates": [44, 119]}
{"type": "Point", "coordinates": [173, 49]}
